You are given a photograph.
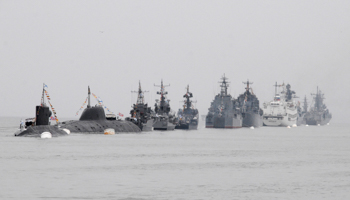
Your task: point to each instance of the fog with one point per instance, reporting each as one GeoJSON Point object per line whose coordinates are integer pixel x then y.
{"type": "Point", "coordinates": [112, 45]}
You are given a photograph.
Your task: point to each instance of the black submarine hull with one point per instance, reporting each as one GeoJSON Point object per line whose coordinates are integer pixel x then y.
{"type": "Point", "coordinates": [93, 120]}
{"type": "Point", "coordinates": [36, 131]}
{"type": "Point", "coordinates": [99, 126]}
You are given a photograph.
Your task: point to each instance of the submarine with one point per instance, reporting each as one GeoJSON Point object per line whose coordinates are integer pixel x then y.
{"type": "Point", "coordinates": [94, 120]}
{"type": "Point", "coordinates": [40, 125]}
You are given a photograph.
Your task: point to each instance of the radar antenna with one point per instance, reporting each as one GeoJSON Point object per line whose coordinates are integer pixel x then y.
{"type": "Point", "coordinates": [140, 95]}
{"type": "Point", "coordinates": [224, 85]}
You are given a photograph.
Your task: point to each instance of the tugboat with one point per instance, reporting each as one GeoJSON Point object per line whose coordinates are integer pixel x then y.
{"type": "Point", "coordinates": [283, 109]}
{"type": "Point", "coordinates": [251, 112]}
{"type": "Point", "coordinates": [40, 125]}
{"type": "Point", "coordinates": [318, 114]}
{"type": "Point", "coordinates": [94, 120]}
{"type": "Point", "coordinates": [165, 119]}
{"type": "Point", "coordinates": [224, 111]}
{"type": "Point", "coordinates": [141, 114]}
{"type": "Point", "coordinates": [188, 116]}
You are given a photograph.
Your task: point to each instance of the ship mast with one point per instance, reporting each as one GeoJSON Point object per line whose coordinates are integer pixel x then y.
{"type": "Point", "coordinates": [188, 95]}
{"type": "Point", "coordinates": [89, 106]}
{"type": "Point", "coordinates": [43, 97]}
{"type": "Point", "coordinates": [305, 104]}
{"type": "Point", "coordinates": [318, 99]}
{"type": "Point", "coordinates": [276, 88]}
{"type": "Point", "coordinates": [140, 95]}
{"type": "Point", "coordinates": [247, 88]}
{"type": "Point", "coordinates": [224, 85]}
{"type": "Point", "coordinates": [162, 94]}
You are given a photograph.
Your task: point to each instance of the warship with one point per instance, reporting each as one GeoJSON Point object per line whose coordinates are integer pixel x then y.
{"type": "Point", "coordinates": [249, 104]}
{"type": "Point", "coordinates": [164, 119]}
{"type": "Point", "coordinates": [188, 116]}
{"type": "Point", "coordinates": [94, 120]}
{"type": "Point", "coordinates": [301, 112]}
{"type": "Point", "coordinates": [141, 114]}
{"type": "Point", "coordinates": [35, 127]}
{"type": "Point", "coordinates": [283, 109]}
{"type": "Point", "coordinates": [224, 111]}
{"type": "Point", "coordinates": [319, 113]}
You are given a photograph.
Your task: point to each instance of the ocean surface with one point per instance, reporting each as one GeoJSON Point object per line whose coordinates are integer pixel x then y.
{"type": "Point", "coordinates": [264, 163]}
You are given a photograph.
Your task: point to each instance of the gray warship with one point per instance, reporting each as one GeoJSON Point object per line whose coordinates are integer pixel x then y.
{"type": "Point", "coordinates": [141, 114]}
{"type": "Point", "coordinates": [302, 112]}
{"type": "Point", "coordinates": [188, 116]}
{"type": "Point", "coordinates": [224, 111]}
{"type": "Point", "coordinates": [164, 119]}
{"type": "Point", "coordinates": [251, 112]}
{"type": "Point", "coordinates": [94, 120]}
{"type": "Point", "coordinates": [34, 127]}
{"type": "Point", "coordinates": [319, 113]}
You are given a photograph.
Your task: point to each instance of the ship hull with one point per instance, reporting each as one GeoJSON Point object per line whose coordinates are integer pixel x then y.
{"type": "Point", "coordinates": [227, 122]}
{"type": "Point", "coordinates": [317, 119]}
{"type": "Point", "coordinates": [98, 126]}
{"type": "Point", "coordinates": [252, 119]}
{"type": "Point", "coordinates": [163, 126]}
{"type": "Point", "coordinates": [279, 121]}
{"type": "Point", "coordinates": [301, 119]}
{"type": "Point", "coordinates": [188, 126]}
{"type": "Point", "coordinates": [209, 122]}
{"type": "Point", "coordinates": [36, 131]}
{"type": "Point", "coordinates": [148, 126]}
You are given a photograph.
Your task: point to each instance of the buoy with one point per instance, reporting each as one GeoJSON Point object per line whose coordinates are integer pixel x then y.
{"type": "Point", "coordinates": [66, 130]}
{"type": "Point", "coordinates": [288, 126]}
{"type": "Point", "coordinates": [306, 125]}
{"type": "Point", "coordinates": [294, 125]}
{"type": "Point", "coordinates": [318, 125]}
{"type": "Point", "coordinates": [46, 135]}
{"type": "Point", "coordinates": [109, 131]}
{"type": "Point", "coordinates": [327, 123]}
{"type": "Point", "coordinates": [252, 127]}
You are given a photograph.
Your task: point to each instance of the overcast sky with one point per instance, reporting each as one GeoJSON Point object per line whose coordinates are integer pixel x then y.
{"type": "Point", "coordinates": [111, 45]}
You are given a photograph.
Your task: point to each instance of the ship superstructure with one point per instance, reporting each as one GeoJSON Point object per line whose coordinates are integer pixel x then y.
{"type": "Point", "coordinates": [165, 119]}
{"type": "Point", "coordinates": [141, 114]}
{"type": "Point", "coordinates": [319, 113]}
{"type": "Point", "coordinates": [188, 115]}
{"type": "Point", "coordinates": [249, 104]}
{"type": "Point", "coordinates": [224, 111]}
{"type": "Point", "coordinates": [283, 109]}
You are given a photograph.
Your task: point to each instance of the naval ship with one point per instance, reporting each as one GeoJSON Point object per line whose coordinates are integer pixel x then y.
{"type": "Point", "coordinates": [224, 111]}
{"type": "Point", "coordinates": [141, 114]}
{"type": "Point", "coordinates": [301, 112]}
{"type": "Point", "coordinates": [164, 119]}
{"type": "Point", "coordinates": [94, 120]}
{"type": "Point", "coordinates": [283, 109]}
{"type": "Point", "coordinates": [188, 116]}
{"type": "Point", "coordinates": [318, 114]}
{"type": "Point", "coordinates": [35, 127]}
{"type": "Point", "coordinates": [249, 103]}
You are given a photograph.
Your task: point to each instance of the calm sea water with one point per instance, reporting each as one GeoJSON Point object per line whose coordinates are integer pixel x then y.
{"type": "Point", "coordinates": [265, 163]}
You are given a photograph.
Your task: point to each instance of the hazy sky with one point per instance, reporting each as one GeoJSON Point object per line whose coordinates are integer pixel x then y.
{"type": "Point", "coordinates": [111, 45]}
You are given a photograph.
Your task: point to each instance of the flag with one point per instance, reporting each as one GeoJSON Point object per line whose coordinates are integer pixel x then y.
{"type": "Point", "coordinates": [45, 85]}
{"type": "Point", "coordinates": [121, 115]}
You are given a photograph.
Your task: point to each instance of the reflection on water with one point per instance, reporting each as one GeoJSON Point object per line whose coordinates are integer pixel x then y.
{"type": "Point", "coordinates": [264, 163]}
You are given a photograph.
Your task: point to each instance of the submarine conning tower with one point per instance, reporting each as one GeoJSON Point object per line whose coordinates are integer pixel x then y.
{"type": "Point", "coordinates": [42, 112]}
{"type": "Point", "coordinates": [42, 115]}
{"type": "Point", "coordinates": [92, 113]}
